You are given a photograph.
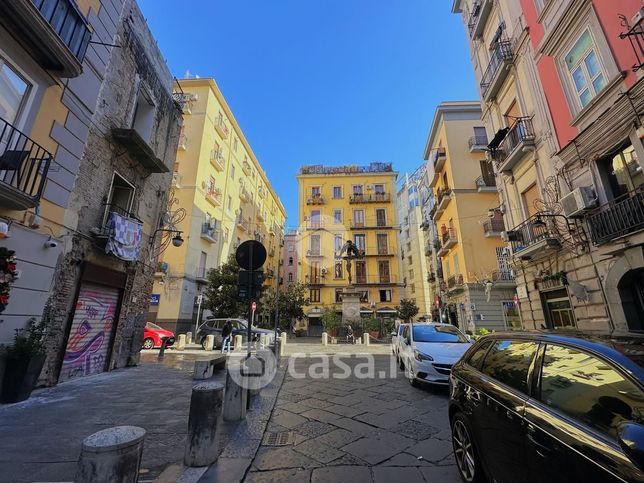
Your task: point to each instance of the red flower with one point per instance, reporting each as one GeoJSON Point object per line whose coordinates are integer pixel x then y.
{"type": "Point", "coordinates": [11, 267]}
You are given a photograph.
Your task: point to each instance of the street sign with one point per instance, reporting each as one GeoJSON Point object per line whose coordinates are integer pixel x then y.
{"type": "Point", "coordinates": [155, 298]}
{"type": "Point", "coordinates": [243, 255]}
{"type": "Point", "coordinates": [200, 299]}
{"type": "Point", "coordinates": [253, 306]}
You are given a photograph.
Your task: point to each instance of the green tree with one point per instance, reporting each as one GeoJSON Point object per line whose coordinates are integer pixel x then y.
{"type": "Point", "coordinates": [332, 321]}
{"type": "Point", "coordinates": [291, 304]}
{"type": "Point", "coordinates": [407, 309]}
{"type": "Point", "coordinates": [221, 291]}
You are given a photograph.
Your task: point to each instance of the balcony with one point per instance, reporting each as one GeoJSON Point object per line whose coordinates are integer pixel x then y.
{"type": "Point", "coordinates": [314, 225]}
{"type": "Point", "coordinates": [497, 70]}
{"type": "Point", "coordinates": [617, 218]}
{"type": "Point", "coordinates": [244, 194]}
{"type": "Point", "coordinates": [184, 100]}
{"type": "Point", "coordinates": [139, 149]}
{"type": "Point", "coordinates": [478, 18]}
{"type": "Point", "coordinates": [103, 229]}
{"type": "Point", "coordinates": [455, 283]}
{"type": "Point", "coordinates": [183, 142]}
{"type": "Point", "coordinates": [213, 195]}
{"type": "Point", "coordinates": [444, 196]}
{"type": "Point", "coordinates": [448, 240]}
{"type": "Point", "coordinates": [208, 233]}
{"type": "Point", "coordinates": [493, 226]}
{"type": "Point", "coordinates": [221, 127]}
{"type": "Point", "coordinates": [362, 225]}
{"type": "Point", "coordinates": [381, 251]}
{"type": "Point", "coordinates": [313, 280]}
{"type": "Point", "coordinates": [243, 223]}
{"type": "Point", "coordinates": [477, 143]}
{"type": "Point", "coordinates": [217, 159]}
{"type": "Point", "coordinates": [316, 199]}
{"type": "Point", "coordinates": [437, 159]}
{"type": "Point", "coordinates": [54, 32]}
{"type": "Point", "coordinates": [314, 253]}
{"type": "Point", "coordinates": [518, 141]}
{"type": "Point", "coordinates": [485, 184]}
{"type": "Point", "coordinates": [503, 277]}
{"type": "Point", "coordinates": [357, 198]}
{"type": "Point", "coordinates": [24, 165]}
{"type": "Point", "coordinates": [202, 275]}
{"type": "Point", "coordinates": [381, 279]}
{"type": "Point", "coordinates": [533, 239]}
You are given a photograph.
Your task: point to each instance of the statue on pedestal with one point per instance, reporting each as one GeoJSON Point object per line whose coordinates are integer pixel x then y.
{"type": "Point", "coordinates": [352, 253]}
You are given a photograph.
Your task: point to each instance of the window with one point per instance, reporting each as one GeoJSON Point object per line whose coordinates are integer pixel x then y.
{"type": "Point", "coordinates": [383, 271]}
{"type": "Point", "coordinates": [315, 219]}
{"type": "Point", "coordinates": [511, 314]}
{"type": "Point", "coordinates": [477, 355]}
{"type": "Point", "coordinates": [337, 216]}
{"type": "Point", "coordinates": [235, 143]}
{"type": "Point", "coordinates": [361, 271]}
{"type": "Point", "coordinates": [338, 295]}
{"type": "Point", "coordinates": [359, 241]}
{"type": "Point", "coordinates": [585, 69]}
{"type": "Point", "coordinates": [358, 218]}
{"type": "Point", "coordinates": [314, 295]}
{"type": "Point", "coordinates": [621, 172]}
{"type": "Point", "coordinates": [381, 217]}
{"type": "Point", "coordinates": [338, 271]}
{"type": "Point", "coordinates": [589, 390]}
{"type": "Point", "coordinates": [290, 277]}
{"type": "Point", "coordinates": [364, 296]}
{"type": "Point", "coordinates": [201, 270]}
{"type": "Point", "coordinates": [337, 243]}
{"type": "Point", "coordinates": [558, 310]}
{"type": "Point", "coordinates": [315, 245]}
{"type": "Point", "coordinates": [379, 189]}
{"type": "Point", "coordinates": [315, 272]}
{"type": "Point", "coordinates": [508, 361]}
{"type": "Point", "coordinates": [382, 241]}
{"type": "Point", "coordinates": [120, 198]}
{"type": "Point", "coordinates": [144, 112]}
{"type": "Point", "coordinates": [337, 192]}
{"type": "Point", "coordinates": [480, 136]}
{"type": "Point", "coordinates": [13, 92]}
{"type": "Point", "coordinates": [290, 260]}
{"type": "Point", "coordinates": [530, 199]}
{"type": "Point", "coordinates": [385, 295]}
{"type": "Point", "coordinates": [315, 192]}
{"type": "Point", "coordinates": [357, 189]}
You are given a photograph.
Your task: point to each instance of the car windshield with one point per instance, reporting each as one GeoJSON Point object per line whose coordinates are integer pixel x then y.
{"type": "Point", "coordinates": [435, 333]}
{"type": "Point", "coordinates": [152, 326]}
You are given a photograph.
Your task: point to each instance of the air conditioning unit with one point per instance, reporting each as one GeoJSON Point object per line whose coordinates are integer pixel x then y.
{"type": "Point", "coordinates": [510, 236]}
{"type": "Point", "coordinates": [579, 200]}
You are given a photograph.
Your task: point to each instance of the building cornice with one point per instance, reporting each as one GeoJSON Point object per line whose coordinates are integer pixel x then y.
{"type": "Point", "coordinates": [442, 110]}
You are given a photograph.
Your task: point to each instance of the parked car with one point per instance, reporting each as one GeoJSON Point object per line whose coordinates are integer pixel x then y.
{"type": "Point", "coordinates": [213, 326]}
{"type": "Point", "coordinates": [396, 340]}
{"type": "Point", "coordinates": [153, 334]}
{"type": "Point", "coordinates": [549, 407]}
{"type": "Point", "coordinates": [428, 351]}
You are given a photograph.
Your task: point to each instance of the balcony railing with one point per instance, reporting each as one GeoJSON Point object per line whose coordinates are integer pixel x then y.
{"type": "Point", "coordinates": [370, 198]}
{"type": "Point", "coordinates": [478, 17]}
{"type": "Point", "coordinates": [214, 196]}
{"type": "Point", "coordinates": [316, 199]}
{"type": "Point", "coordinates": [314, 225]}
{"type": "Point", "coordinates": [477, 143]}
{"type": "Point", "coordinates": [244, 194]}
{"type": "Point", "coordinates": [499, 276]}
{"type": "Point", "coordinates": [617, 218]}
{"type": "Point", "coordinates": [437, 158]}
{"type": "Point", "coordinates": [361, 225]}
{"type": "Point", "coordinates": [493, 226]}
{"type": "Point", "coordinates": [24, 165]}
{"type": "Point", "coordinates": [217, 159]}
{"type": "Point", "coordinates": [184, 100]}
{"type": "Point", "coordinates": [246, 168]}
{"type": "Point", "coordinates": [208, 233]}
{"type": "Point", "coordinates": [455, 281]}
{"type": "Point", "coordinates": [533, 237]}
{"type": "Point", "coordinates": [496, 70]}
{"type": "Point", "coordinates": [511, 149]}
{"type": "Point", "coordinates": [443, 195]}
{"type": "Point", "coordinates": [381, 279]}
{"type": "Point", "coordinates": [448, 240]}
{"type": "Point", "coordinates": [221, 127]}
{"type": "Point", "coordinates": [314, 279]}
{"type": "Point", "coordinates": [243, 223]}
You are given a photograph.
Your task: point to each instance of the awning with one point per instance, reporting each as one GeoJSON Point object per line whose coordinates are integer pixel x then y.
{"type": "Point", "coordinates": [498, 137]}
{"type": "Point", "coordinates": [386, 310]}
{"type": "Point", "coordinates": [366, 311]}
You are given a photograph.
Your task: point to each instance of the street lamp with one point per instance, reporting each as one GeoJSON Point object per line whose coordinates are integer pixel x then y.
{"type": "Point", "coordinates": [177, 241]}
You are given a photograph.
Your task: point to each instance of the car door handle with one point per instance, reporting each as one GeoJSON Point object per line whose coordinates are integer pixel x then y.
{"type": "Point", "coordinates": [474, 396]}
{"type": "Point", "coordinates": [541, 449]}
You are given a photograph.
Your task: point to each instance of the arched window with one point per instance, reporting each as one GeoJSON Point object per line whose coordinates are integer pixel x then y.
{"type": "Point", "coordinates": [290, 277]}
{"type": "Point", "coordinates": [631, 291]}
{"type": "Point", "coordinates": [290, 261]}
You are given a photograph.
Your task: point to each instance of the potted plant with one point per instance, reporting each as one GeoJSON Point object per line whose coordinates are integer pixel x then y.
{"type": "Point", "coordinates": [23, 362]}
{"type": "Point", "coordinates": [372, 326]}
{"type": "Point", "coordinates": [332, 321]}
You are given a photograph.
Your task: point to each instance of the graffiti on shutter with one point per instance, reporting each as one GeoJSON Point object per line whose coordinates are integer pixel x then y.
{"type": "Point", "coordinates": [89, 338]}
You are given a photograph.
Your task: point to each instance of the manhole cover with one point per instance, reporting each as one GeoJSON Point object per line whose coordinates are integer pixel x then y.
{"type": "Point", "coordinates": [283, 438]}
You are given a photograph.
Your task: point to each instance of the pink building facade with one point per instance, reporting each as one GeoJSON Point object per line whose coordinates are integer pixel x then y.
{"type": "Point", "coordinates": [290, 259]}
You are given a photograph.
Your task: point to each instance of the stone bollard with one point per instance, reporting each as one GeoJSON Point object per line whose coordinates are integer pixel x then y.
{"type": "Point", "coordinates": [283, 338]}
{"type": "Point", "coordinates": [181, 343]}
{"type": "Point", "coordinates": [210, 342]}
{"type": "Point", "coordinates": [235, 400]}
{"type": "Point", "coordinates": [188, 338]}
{"type": "Point", "coordinates": [238, 342]}
{"type": "Point", "coordinates": [202, 444]}
{"type": "Point", "coordinates": [262, 340]}
{"type": "Point", "coordinates": [365, 337]}
{"type": "Point", "coordinates": [325, 338]}
{"type": "Point", "coordinates": [111, 455]}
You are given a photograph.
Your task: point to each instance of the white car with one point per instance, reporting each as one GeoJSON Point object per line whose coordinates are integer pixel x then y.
{"type": "Point", "coordinates": [429, 351]}
{"type": "Point", "coordinates": [396, 340]}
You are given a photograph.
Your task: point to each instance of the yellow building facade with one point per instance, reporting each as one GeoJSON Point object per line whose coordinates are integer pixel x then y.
{"type": "Point", "coordinates": [343, 203]}
{"type": "Point", "coordinates": [470, 263]}
{"type": "Point", "coordinates": [227, 199]}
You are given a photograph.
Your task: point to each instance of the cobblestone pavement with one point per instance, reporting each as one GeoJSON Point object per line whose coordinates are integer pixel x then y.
{"type": "Point", "coordinates": [355, 430]}
{"type": "Point", "coordinates": [41, 437]}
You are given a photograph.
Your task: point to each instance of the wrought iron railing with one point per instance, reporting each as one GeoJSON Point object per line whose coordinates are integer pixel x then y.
{"type": "Point", "coordinates": [443, 193]}
{"type": "Point", "coordinates": [68, 22]}
{"type": "Point", "coordinates": [370, 198]}
{"type": "Point", "coordinates": [449, 235]}
{"type": "Point", "coordinates": [493, 225]}
{"type": "Point", "coordinates": [617, 218]}
{"type": "Point", "coordinates": [24, 164]}
{"type": "Point", "coordinates": [521, 131]}
{"type": "Point", "coordinates": [455, 281]}
{"type": "Point", "coordinates": [502, 276]}
{"type": "Point", "coordinates": [531, 231]}
{"type": "Point", "coordinates": [351, 169]}
{"type": "Point", "coordinates": [502, 53]}
{"type": "Point", "coordinates": [114, 208]}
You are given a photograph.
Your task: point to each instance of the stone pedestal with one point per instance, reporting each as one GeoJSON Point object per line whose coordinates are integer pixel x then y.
{"type": "Point", "coordinates": [181, 343]}
{"type": "Point", "coordinates": [350, 306]}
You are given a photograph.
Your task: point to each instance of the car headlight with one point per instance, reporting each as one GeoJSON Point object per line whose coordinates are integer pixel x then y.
{"type": "Point", "coordinates": [419, 356]}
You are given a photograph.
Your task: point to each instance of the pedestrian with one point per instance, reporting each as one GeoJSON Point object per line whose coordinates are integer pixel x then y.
{"type": "Point", "coordinates": [350, 338]}
{"type": "Point", "coordinates": [226, 335]}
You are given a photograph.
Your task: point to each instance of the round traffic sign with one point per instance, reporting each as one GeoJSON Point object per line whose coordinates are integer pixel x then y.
{"type": "Point", "coordinates": [244, 252]}
{"type": "Point", "coordinates": [253, 306]}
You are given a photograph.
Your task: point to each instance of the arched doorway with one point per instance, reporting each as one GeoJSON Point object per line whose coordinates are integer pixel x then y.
{"type": "Point", "coordinates": [631, 293]}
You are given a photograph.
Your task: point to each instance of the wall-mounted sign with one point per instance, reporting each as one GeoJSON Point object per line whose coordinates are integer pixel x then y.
{"type": "Point", "coordinates": [155, 298]}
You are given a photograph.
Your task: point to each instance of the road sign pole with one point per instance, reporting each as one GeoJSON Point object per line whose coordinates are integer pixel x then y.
{"type": "Point", "coordinates": [199, 301]}
{"type": "Point", "coordinates": [251, 291]}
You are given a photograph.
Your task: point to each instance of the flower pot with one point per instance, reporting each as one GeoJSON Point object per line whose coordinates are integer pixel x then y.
{"type": "Point", "coordinates": [374, 334]}
{"type": "Point", "coordinates": [20, 377]}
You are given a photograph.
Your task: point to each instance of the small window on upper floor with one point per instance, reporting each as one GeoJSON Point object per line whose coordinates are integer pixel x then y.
{"type": "Point", "coordinates": [337, 192]}
{"type": "Point", "coordinates": [144, 112]}
{"type": "Point", "coordinates": [13, 94]}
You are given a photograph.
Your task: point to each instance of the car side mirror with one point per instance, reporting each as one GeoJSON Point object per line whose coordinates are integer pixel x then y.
{"type": "Point", "coordinates": [631, 439]}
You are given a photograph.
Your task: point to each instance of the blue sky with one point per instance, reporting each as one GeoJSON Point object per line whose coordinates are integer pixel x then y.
{"type": "Point", "coordinates": [322, 81]}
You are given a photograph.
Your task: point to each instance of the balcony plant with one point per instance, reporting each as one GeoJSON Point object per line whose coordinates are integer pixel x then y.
{"type": "Point", "coordinates": [24, 360]}
{"type": "Point", "coordinates": [7, 275]}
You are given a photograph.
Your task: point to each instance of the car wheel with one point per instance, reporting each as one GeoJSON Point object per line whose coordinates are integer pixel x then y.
{"type": "Point", "coordinates": [467, 460]}
{"type": "Point", "coordinates": [411, 375]}
{"type": "Point", "coordinates": [148, 343]}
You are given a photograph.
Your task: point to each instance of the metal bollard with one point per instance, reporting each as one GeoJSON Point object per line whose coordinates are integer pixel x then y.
{"type": "Point", "coordinates": [210, 342]}
{"type": "Point", "coordinates": [235, 400]}
{"type": "Point", "coordinates": [325, 338]}
{"type": "Point", "coordinates": [181, 343]}
{"type": "Point", "coordinates": [164, 340]}
{"type": "Point", "coordinates": [111, 455]}
{"type": "Point", "coordinates": [202, 444]}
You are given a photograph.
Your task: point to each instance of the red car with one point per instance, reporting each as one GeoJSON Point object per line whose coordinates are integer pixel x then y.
{"type": "Point", "coordinates": [152, 335]}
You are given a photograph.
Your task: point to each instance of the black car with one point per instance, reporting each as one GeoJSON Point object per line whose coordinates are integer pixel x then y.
{"type": "Point", "coordinates": [549, 407]}
{"type": "Point", "coordinates": [214, 327]}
